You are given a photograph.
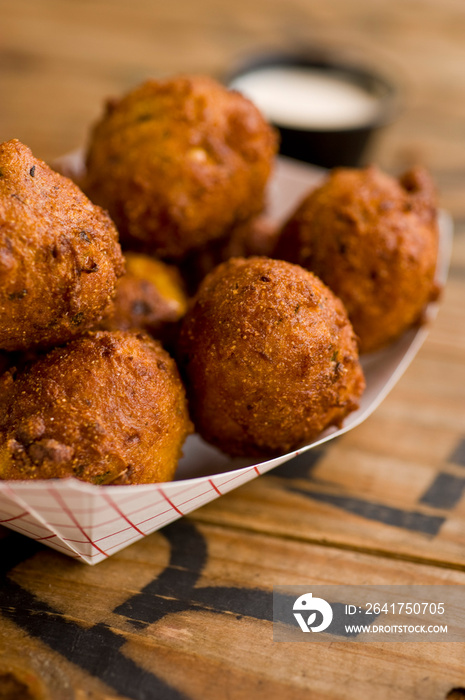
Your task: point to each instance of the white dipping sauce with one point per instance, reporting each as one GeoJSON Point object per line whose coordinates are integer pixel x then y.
{"type": "Point", "coordinates": [306, 98]}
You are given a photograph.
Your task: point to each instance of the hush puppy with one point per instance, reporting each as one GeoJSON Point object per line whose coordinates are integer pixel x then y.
{"type": "Point", "coordinates": [373, 240]}
{"type": "Point", "coordinates": [178, 162]}
{"type": "Point", "coordinates": [256, 237]}
{"type": "Point", "coordinates": [106, 408]}
{"type": "Point", "coordinates": [149, 296]}
{"type": "Point", "coordinates": [269, 356]}
{"type": "Point", "coordinates": [59, 254]}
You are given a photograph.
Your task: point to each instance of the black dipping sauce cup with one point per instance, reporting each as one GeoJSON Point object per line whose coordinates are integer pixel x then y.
{"type": "Point", "coordinates": [328, 144]}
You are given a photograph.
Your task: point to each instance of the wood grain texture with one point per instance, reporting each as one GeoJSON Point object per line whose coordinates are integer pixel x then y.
{"type": "Point", "coordinates": [185, 613]}
{"type": "Point", "coordinates": [206, 632]}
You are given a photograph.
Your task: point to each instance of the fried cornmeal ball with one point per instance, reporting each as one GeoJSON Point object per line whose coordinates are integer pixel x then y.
{"type": "Point", "coordinates": [106, 408]}
{"type": "Point", "coordinates": [59, 254]}
{"type": "Point", "coordinates": [149, 296]}
{"type": "Point", "coordinates": [373, 240]}
{"type": "Point", "coordinates": [256, 237]}
{"type": "Point", "coordinates": [178, 162]}
{"type": "Point", "coordinates": [269, 356]}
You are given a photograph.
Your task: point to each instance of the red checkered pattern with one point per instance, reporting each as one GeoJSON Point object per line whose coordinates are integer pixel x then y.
{"type": "Point", "coordinates": [91, 522]}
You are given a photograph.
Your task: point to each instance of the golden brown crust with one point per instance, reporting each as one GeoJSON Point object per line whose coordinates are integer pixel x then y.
{"type": "Point", "coordinates": [59, 254]}
{"type": "Point", "coordinates": [107, 408]}
{"type": "Point", "coordinates": [373, 240]}
{"type": "Point", "coordinates": [269, 356]}
{"type": "Point", "coordinates": [178, 162]}
{"type": "Point", "coordinates": [149, 296]}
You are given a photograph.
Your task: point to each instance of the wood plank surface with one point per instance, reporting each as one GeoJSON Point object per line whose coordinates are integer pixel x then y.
{"type": "Point", "coordinates": [191, 606]}
{"type": "Point", "coordinates": [186, 613]}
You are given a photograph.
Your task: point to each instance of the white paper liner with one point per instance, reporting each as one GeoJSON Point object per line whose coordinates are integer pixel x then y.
{"type": "Point", "coordinates": [91, 522]}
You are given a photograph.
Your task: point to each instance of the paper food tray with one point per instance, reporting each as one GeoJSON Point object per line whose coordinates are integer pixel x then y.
{"type": "Point", "coordinates": [91, 522]}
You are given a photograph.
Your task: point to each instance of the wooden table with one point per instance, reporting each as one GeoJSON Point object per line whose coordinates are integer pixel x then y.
{"type": "Point", "coordinates": [185, 613]}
